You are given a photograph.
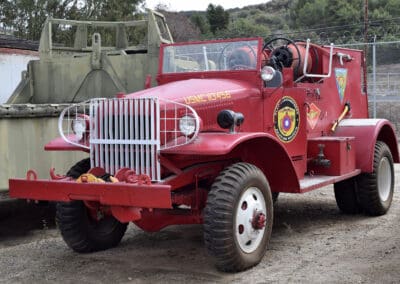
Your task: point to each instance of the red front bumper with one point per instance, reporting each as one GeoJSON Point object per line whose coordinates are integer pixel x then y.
{"type": "Point", "coordinates": [119, 194]}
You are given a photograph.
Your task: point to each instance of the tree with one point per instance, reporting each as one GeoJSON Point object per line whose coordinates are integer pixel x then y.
{"type": "Point", "coordinates": [180, 26]}
{"type": "Point", "coordinates": [344, 12]}
{"type": "Point", "coordinates": [336, 20]}
{"type": "Point", "coordinates": [26, 17]}
{"type": "Point", "coordinates": [109, 10]}
{"type": "Point", "coordinates": [312, 13]}
{"type": "Point", "coordinates": [243, 28]}
{"type": "Point", "coordinates": [217, 17]}
{"type": "Point", "coordinates": [162, 7]}
{"type": "Point", "coordinates": [199, 21]}
{"type": "Point", "coordinates": [393, 7]}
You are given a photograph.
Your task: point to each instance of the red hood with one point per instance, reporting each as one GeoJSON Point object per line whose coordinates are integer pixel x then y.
{"type": "Point", "coordinates": [200, 91]}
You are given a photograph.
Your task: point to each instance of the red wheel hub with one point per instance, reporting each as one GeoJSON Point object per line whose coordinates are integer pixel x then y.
{"type": "Point", "coordinates": [259, 220]}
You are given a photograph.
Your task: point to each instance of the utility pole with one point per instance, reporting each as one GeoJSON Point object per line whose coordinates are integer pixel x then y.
{"type": "Point", "coordinates": [365, 28]}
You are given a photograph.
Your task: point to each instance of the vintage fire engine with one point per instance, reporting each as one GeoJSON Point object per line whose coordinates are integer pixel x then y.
{"type": "Point", "coordinates": [231, 124]}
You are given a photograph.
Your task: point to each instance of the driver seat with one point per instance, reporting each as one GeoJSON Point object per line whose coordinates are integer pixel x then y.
{"type": "Point", "coordinates": [241, 57]}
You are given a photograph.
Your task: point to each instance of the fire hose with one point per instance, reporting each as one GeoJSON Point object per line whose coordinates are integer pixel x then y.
{"type": "Point", "coordinates": [342, 115]}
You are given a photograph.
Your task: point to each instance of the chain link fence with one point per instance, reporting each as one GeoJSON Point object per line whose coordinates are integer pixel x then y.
{"type": "Point", "coordinates": [383, 61]}
{"type": "Point", "coordinates": [386, 85]}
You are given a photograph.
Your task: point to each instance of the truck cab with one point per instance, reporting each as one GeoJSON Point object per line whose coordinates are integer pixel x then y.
{"type": "Point", "coordinates": [231, 124]}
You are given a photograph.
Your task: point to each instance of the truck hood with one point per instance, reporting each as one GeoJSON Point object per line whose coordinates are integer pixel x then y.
{"type": "Point", "coordinates": [201, 91]}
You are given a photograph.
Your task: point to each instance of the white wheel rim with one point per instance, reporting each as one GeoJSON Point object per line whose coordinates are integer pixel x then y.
{"type": "Point", "coordinates": [251, 203]}
{"type": "Point", "coordinates": [384, 179]}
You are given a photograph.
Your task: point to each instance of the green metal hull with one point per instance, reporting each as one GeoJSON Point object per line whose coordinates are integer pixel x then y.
{"type": "Point", "coordinates": [21, 148]}
{"type": "Point", "coordinates": [92, 66]}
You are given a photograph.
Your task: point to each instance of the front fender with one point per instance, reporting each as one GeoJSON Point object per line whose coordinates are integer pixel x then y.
{"type": "Point", "coordinates": [215, 143]}
{"type": "Point", "coordinates": [59, 144]}
{"type": "Point", "coordinates": [366, 133]}
{"type": "Point", "coordinates": [260, 149]}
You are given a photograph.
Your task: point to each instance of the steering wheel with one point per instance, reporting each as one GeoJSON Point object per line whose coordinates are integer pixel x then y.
{"type": "Point", "coordinates": [238, 59]}
{"type": "Point", "coordinates": [239, 67]}
{"type": "Point", "coordinates": [281, 56]}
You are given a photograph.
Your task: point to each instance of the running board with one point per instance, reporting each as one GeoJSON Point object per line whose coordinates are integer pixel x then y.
{"type": "Point", "coordinates": [309, 183]}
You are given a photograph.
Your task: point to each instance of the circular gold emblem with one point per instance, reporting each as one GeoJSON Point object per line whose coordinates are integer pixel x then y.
{"type": "Point", "coordinates": [286, 119]}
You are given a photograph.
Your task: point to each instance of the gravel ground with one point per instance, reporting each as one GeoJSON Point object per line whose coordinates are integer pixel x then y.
{"type": "Point", "coordinates": [311, 242]}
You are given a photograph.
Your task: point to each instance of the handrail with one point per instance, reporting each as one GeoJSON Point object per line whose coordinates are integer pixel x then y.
{"type": "Point", "coordinates": [305, 74]}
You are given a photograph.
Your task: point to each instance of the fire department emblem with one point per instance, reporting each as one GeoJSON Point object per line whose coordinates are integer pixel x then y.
{"type": "Point", "coordinates": [286, 119]}
{"type": "Point", "coordinates": [313, 115]}
{"type": "Point", "coordinates": [341, 81]}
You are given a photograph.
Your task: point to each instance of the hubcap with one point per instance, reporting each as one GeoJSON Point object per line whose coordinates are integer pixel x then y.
{"type": "Point", "coordinates": [384, 179]}
{"type": "Point", "coordinates": [250, 219]}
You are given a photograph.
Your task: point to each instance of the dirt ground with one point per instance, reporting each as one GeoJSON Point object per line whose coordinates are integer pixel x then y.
{"type": "Point", "coordinates": [311, 242]}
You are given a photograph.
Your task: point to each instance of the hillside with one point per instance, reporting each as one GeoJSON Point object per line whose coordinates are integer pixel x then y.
{"type": "Point", "coordinates": [324, 21]}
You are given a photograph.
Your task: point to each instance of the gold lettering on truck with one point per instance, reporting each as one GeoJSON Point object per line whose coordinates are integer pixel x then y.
{"type": "Point", "coordinates": [208, 97]}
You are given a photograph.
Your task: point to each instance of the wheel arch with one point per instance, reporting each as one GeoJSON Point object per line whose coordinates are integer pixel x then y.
{"type": "Point", "coordinates": [387, 134]}
{"type": "Point", "coordinates": [367, 132]}
{"type": "Point", "coordinates": [273, 160]}
{"type": "Point", "coordinates": [260, 149]}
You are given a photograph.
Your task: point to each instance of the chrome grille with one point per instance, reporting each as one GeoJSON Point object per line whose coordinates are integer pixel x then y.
{"type": "Point", "coordinates": [126, 134]}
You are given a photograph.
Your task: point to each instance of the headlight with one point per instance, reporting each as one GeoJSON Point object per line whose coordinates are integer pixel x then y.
{"type": "Point", "coordinates": [267, 73]}
{"type": "Point", "coordinates": [187, 125]}
{"type": "Point", "coordinates": [79, 127]}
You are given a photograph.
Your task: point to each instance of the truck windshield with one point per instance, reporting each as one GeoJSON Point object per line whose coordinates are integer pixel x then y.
{"type": "Point", "coordinates": [215, 56]}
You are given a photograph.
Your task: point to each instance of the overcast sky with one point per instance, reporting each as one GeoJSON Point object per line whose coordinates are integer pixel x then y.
{"type": "Point", "coordinates": [201, 5]}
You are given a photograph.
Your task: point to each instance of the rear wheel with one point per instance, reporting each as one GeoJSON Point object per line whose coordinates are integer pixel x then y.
{"type": "Point", "coordinates": [275, 196]}
{"type": "Point", "coordinates": [87, 230]}
{"type": "Point", "coordinates": [375, 190]}
{"type": "Point", "coordinates": [346, 196]}
{"type": "Point", "coordinates": [238, 217]}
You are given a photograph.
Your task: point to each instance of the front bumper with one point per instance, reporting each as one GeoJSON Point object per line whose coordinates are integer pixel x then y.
{"type": "Point", "coordinates": [113, 194]}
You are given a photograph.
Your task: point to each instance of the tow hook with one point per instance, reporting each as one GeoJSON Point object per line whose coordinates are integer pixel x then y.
{"type": "Point", "coordinates": [55, 176]}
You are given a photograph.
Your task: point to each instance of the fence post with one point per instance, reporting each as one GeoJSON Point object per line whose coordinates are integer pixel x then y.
{"type": "Point", "coordinates": [374, 73]}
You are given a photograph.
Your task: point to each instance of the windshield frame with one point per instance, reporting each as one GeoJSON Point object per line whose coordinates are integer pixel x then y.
{"type": "Point", "coordinates": [258, 53]}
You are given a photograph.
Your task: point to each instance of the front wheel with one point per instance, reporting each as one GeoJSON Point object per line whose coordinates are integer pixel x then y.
{"type": "Point", "coordinates": [238, 217]}
{"type": "Point", "coordinates": [84, 229]}
{"type": "Point", "coordinates": [82, 232]}
{"type": "Point", "coordinates": [375, 190]}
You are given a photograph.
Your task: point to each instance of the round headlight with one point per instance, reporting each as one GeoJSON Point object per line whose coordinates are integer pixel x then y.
{"type": "Point", "coordinates": [79, 127]}
{"type": "Point", "coordinates": [187, 125]}
{"type": "Point", "coordinates": [267, 73]}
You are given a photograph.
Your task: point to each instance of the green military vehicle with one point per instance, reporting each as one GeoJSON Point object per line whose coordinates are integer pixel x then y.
{"type": "Point", "coordinates": [79, 60]}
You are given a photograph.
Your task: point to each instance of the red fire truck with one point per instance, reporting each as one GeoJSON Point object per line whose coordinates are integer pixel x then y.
{"type": "Point", "coordinates": [231, 124]}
